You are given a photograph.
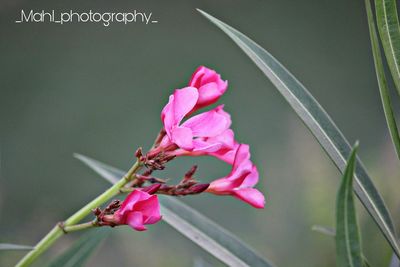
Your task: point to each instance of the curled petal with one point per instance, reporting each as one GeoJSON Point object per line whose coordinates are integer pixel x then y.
{"type": "Point", "coordinates": [131, 200]}
{"type": "Point", "coordinates": [220, 186]}
{"type": "Point", "coordinates": [135, 220]}
{"type": "Point", "coordinates": [251, 196]}
{"type": "Point", "coordinates": [251, 179]}
{"type": "Point", "coordinates": [227, 185]}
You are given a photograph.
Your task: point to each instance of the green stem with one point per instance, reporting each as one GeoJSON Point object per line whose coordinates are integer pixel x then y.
{"type": "Point", "coordinates": [78, 227]}
{"type": "Point", "coordinates": [57, 231]}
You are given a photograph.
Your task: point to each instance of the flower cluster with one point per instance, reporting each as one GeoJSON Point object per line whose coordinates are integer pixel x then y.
{"type": "Point", "coordinates": [185, 134]}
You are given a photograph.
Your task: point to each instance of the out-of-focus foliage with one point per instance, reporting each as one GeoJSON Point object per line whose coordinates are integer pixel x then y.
{"type": "Point", "coordinates": [348, 244]}
{"type": "Point", "coordinates": [320, 124]}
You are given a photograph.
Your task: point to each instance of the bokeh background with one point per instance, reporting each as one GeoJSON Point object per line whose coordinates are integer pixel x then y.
{"type": "Point", "coordinates": [99, 91]}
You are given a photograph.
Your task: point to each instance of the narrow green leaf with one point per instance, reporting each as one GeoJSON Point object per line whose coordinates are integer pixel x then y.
{"type": "Point", "coordinates": [81, 250]}
{"type": "Point", "coordinates": [348, 245]}
{"type": "Point", "coordinates": [205, 233]}
{"type": "Point", "coordinates": [319, 123]}
{"type": "Point", "coordinates": [329, 231]}
{"type": "Point", "coordinates": [389, 30]}
{"type": "Point", "coordinates": [380, 74]}
{"type": "Point", "coordinates": [7, 246]}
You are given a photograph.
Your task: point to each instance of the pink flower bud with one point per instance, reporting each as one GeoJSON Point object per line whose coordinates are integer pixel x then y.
{"type": "Point", "coordinates": [209, 85]}
{"type": "Point", "coordinates": [240, 181]}
{"type": "Point", "coordinates": [138, 209]}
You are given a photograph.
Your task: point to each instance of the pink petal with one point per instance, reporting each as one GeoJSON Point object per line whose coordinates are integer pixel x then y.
{"type": "Point", "coordinates": [195, 81]}
{"type": "Point", "coordinates": [179, 105]}
{"type": "Point", "coordinates": [251, 179]}
{"type": "Point", "coordinates": [208, 94]}
{"type": "Point", "coordinates": [226, 138]}
{"type": "Point", "coordinates": [242, 161]}
{"type": "Point", "coordinates": [221, 186]}
{"type": "Point", "coordinates": [251, 196]}
{"type": "Point", "coordinates": [166, 141]}
{"type": "Point", "coordinates": [205, 147]}
{"type": "Point", "coordinates": [208, 124]}
{"type": "Point", "coordinates": [150, 209]}
{"type": "Point", "coordinates": [135, 220]}
{"type": "Point", "coordinates": [182, 137]}
{"type": "Point", "coordinates": [153, 219]}
{"type": "Point", "coordinates": [130, 200]}
{"type": "Point", "coordinates": [227, 156]}
{"type": "Point", "coordinates": [167, 115]}
{"type": "Point", "coordinates": [228, 146]}
{"type": "Point", "coordinates": [227, 184]}
{"type": "Point", "coordinates": [242, 155]}
{"type": "Point", "coordinates": [184, 101]}
{"type": "Point", "coordinates": [220, 110]}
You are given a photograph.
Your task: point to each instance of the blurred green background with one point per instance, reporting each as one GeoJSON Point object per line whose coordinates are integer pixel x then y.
{"type": "Point", "coordinates": [99, 91]}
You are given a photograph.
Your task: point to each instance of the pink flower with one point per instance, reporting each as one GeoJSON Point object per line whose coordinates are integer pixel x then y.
{"type": "Point", "coordinates": [210, 86]}
{"type": "Point", "coordinates": [241, 180]}
{"type": "Point", "coordinates": [138, 209]}
{"type": "Point", "coordinates": [185, 135]}
{"type": "Point", "coordinates": [222, 146]}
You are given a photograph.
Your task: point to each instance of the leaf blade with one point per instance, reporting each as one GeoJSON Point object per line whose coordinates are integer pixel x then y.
{"type": "Point", "coordinates": [8, 246]}
{"type": "Point", "coordinates": [319, 123]}
{"type": "Point", "coordinates": [81, 250]}
{"type": "Point", "coordinates": [195, 226]}
{"type": "Point", "coordinates": [389, 31]}
{"type": "Point", "coordinates": [348, 245]}
{"type": "Point", "coordinates": [382, 83]}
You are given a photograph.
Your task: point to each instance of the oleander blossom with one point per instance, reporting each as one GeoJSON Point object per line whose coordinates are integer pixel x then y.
{"type": "Point", "coordinates": [241, 180]}
{"type": "Point", "coordinates": [209, 85]}
{"type": "Point", "coordinates": [138, 209]}
{"type": "Point", "coordinates": [205, 134]}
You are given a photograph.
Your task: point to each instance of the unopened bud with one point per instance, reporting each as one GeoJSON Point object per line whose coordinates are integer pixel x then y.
{"type": "Point", "coordinates": [191, 172]}
{"type": "Point", "coordinates": [198, 188]}
{"type": "Point", "coordinates": [139, 153]}
{"type": "Point", "coordinates": [96, 211]}
{"type": "Point", "coordinates": [151, 189]}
